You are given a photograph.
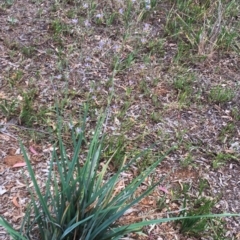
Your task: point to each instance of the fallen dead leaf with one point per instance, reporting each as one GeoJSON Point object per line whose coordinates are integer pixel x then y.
{"type": "Point", "coordinates": [163, 189]}
{"type": "Point", "coordinates": [21, 164]}
{"type": "Point", "coordinates": [33, 151]}
{"type": "Point", "coordinates": [12, 160]}
{"type": "Point", "coordinates": [15, 202]}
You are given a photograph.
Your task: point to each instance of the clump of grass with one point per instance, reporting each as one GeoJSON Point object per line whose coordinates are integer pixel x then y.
{"type": "Point", "coordinates": [196, 207]}
{"type": "Point", "coordinates": [8, 108]}
{"type": "Point", "coordinates": [198, 225]}
{"type": "Point", "coordinates": [80, 200]}
{"type": "Point", "coordinates": [221, 94]}
{"type": "Point", "coordinates": [27, 115]}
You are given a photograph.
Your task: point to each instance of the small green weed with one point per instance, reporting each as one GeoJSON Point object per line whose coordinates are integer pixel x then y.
{"type": "Point", "coordinates": [235, 113]}
{"type": "Point", "coordinates": [220, 94]}
{"type": "Point", "coordinates": [8, 108]}
{"type": "Point", "coordinates": [12, 20]}
{"type": "Point", "coordinates": [144, 163]}
{"type": "Point", "coordinates": [198, 225]}
{"type": "Point", "coordinates": [7, 3]}
{"type": "Point", "coordinates": [15, 78]}
{"type": "Point", "coordinates": [117, 146]}
{"type": "Point", "coordinates": [156, 47]}
{"type": "Point", "coordinates": [220, 159]}
{"type": "Point", "coordinates": [156, 117]}
{"type": "Point", "coordinates": [182, 84]}
{"type": "Point", "coordinates": [143, 86]}
{"type": "Point", "coordinates": [124, 64]}
{"type": "Point", "coordinates": [187, 161]}
{"type": "Point", "coordinates": [201, 205]}
{"type": "Point", "coordinates": [28, 51]}
{"type": "Point", "coordinates": [58, 27]}
{"type": "Point", "coordinates": [27, 114]}
{"type": "Point", "coordinates": [227, 131]}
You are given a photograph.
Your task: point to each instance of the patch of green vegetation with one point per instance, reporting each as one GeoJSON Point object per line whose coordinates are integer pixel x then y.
{"type": "Point", "coordinates": [156, 117]}
{"type": "Point", "coordinates": [144, 88]}
{"type": "Point", "coordinates": [27, 114]}
{"type": "Point", "coordinates": [197, 226]}
{"type": "Point", "coordinates": [183, 83]}
{"type": "Point", "coordinates": [123, 110]}
{"type": "Point", "coordinates": [23, 108]}
{"type": "Point", "coordinates": [156, 47]}
{"type": "Point", "coordinates": [235, 113]}
{"type": "Point", "coordinates": [87, 203]}
{"type": "Point", "coordinates": [144, 163]}
{"type": "Point", "coordinates": [187, 161]}
{"type": "Point", "coordinates": [227, 131]}
{"type": "Point", "coordinates": [221, 159]}
{"type": "Point", "coordinates": [220, 94]}
{"type": "Point", "coordinates": [121, 65]}
{"type": "Point", "coordinates": [58, 27]}
{"type": "Point", "coordinates": [12, 20]}
{"type": "Point", "coordinates": [201, 205]}
{"type": "Point", "coordinates": [7, 3]}
{"type": "Point", "coordinates": [70, 13]}
{"type": "Point", "coordinates": [199, 29]}
{"type": "Point", "coordinates": [14, 78]}
{"type": "Point", "coordinates": [8, 108]}
{"type": "Point", "coordinates": [115, 150]}
{"type": "Point", "coordinates": [28, 51]}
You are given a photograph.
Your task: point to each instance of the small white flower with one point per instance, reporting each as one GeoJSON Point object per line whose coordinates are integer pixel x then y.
{"type": "Point", "coordinates": [58, 76]}
{"type": "Point", "coordinates": [146, 27]}
{"type": "Point", "coordinates": [75, 21]}
{"type": "Point", "coordinates": [142, 67]}
{"type": "Point", "coordinates": [87, 23]}
{"type": "Point", "coordinates": [143, 40]}
{"type": "Point", "coordinates": [116, 48]}
{"type": "Point", "coordinates": [99, 15]}
{"type": "Point", "coordinates": [78, 130]}
{"type": "Point", "coordinates": [85, 5]}
{"type": "Point", "coordinates": [70, 125]}
{"type": "Point", "coordinates": [87, 65]}
{"type": "Point", "coordinates": [88, 59]}
{"type": "Point", "coordinates": [131, 82]}
{"type": "Point", "coordinates": [121, 11]}
{"type": "Point", "coordinates": [148, 6]}
{"type": "Point", "coordinates": [101, 43]}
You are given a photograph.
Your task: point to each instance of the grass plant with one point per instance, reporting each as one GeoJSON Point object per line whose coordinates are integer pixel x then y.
{"type": "Point", "coordinates": [8, 108]}
{"type": "Point", "coordinates": [81, 200]}
{"type": "Point", "coordinates": [220, 94]}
